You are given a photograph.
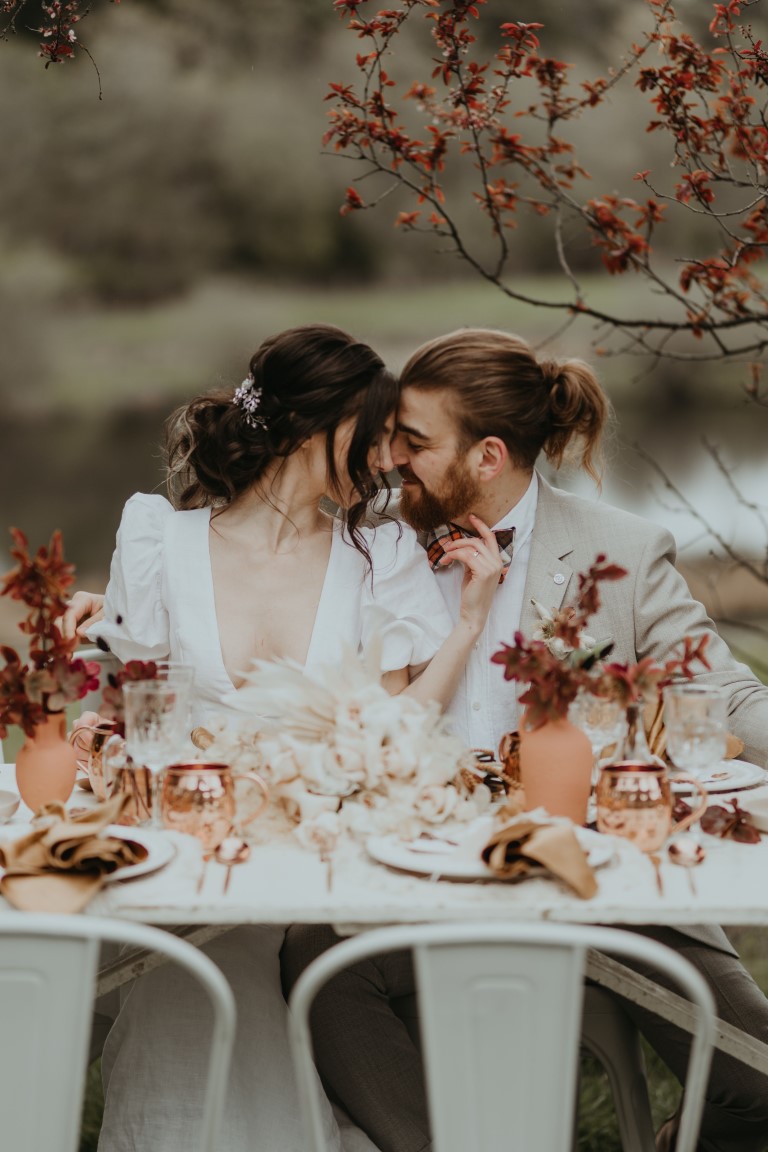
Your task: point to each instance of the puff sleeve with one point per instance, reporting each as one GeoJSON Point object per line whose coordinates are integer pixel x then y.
{"type": "Point", "coordinates": [401, 601]}
{"type": "Point", "coordinates": [135, 624]}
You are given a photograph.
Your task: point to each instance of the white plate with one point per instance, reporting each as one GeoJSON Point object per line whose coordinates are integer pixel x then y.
{"type": "Point", "coordinates": [452, 864]}
{"type": "Point", "coordinates": [9, 804]}
{"type": "Point", "coordinates": [726, 776]}
{"type": "Point", "coordinates": [160, 849]}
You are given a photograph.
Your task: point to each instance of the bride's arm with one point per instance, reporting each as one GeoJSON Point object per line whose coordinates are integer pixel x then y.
{"type": "Point", "coordinates": [439, 678]}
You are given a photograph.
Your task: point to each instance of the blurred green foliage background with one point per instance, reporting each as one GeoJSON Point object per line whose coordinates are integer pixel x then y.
{"type": "Point", "coordinates": [151, 238]}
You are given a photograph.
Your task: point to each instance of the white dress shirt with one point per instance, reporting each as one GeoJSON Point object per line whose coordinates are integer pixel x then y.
{"type": "Point", "coordinates": [485, 705]}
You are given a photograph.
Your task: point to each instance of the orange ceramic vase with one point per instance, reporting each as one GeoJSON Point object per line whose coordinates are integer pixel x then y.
{"type": "Point", "coordinates": [556, 768]}
{"type": "Point", "coordinates": [46, 765]}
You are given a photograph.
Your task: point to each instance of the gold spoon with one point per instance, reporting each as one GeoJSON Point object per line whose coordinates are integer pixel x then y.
{"type": "Point", "coordinates": [687, 852]}
{"type": "Point", "coordinates": [232, 850]}
{"type": "Point", "coordinates": [201, 878]}
{"type": "Point", "coordinates": [655, 859]}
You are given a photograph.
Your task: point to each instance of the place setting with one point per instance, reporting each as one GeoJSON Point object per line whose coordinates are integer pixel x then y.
{"type": "Point", "coordinates": [496, 848]}
{"type": "Point", "coordinates": [60, 860]}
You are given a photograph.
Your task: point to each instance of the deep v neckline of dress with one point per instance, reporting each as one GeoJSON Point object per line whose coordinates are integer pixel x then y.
{"type": "Point", "coordinates": [320, 611]}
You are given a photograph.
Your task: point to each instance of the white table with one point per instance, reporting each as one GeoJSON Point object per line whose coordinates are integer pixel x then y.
{"type": "Point", "coordinates": [283, 883]}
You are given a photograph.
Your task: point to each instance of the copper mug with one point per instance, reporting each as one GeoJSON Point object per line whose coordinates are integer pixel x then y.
{"type": "Point", "coordinates": [199, 799]}
{"type": "Point", "coordinates": [91, 741]}
{"type": "Point", "coordinates": [635, 800]}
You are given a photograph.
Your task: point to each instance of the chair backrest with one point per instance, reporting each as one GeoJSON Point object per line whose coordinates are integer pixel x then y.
{"type": "Point", "coordinates": [500, 1009]}
{"type": "Point", "coordinates": [107, 662]}
{"type": "Point", "coordinates": [47, 978]}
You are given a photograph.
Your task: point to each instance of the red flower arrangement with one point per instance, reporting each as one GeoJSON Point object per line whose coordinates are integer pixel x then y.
{"type": "Point", "coordinates": [53, 676]}
{"type": "Point", "coordinates": [554, 679]}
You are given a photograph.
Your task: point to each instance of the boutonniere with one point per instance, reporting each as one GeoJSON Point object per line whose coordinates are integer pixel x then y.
{"type": "Point", "coordinates": [584, 649]}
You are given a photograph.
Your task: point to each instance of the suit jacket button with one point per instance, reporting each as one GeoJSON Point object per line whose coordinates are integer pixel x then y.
{"type": "Point", "coordinates": [559, 578]}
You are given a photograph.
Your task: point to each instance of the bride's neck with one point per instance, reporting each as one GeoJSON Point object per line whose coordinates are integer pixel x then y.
{"type": "Point", "coordinates": [281, 506]}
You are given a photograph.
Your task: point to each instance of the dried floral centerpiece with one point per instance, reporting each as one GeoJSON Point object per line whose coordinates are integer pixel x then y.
{"type": "Point", "coordinates": [339, 753]}
{"type": "Point", "coordinates": [34, 694]}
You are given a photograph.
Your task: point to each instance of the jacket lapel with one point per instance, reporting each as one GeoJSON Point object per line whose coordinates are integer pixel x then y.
{"type": "Point", "coordinates": [549, 574]}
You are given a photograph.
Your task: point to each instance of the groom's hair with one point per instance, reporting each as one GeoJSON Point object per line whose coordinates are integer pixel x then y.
{"type": "Point", "coordinates": [500, 388]}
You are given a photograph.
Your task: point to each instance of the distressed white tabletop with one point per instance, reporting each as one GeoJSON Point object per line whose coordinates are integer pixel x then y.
{"type": "Point", "coordinates": [285, 883]}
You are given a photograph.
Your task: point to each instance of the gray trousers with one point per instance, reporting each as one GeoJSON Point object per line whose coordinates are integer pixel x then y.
{"type": "Point", "coordinates": [369, 1061]}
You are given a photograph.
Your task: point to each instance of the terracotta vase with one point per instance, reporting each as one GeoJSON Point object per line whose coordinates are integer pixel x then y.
{"type": "Point", "coordinates": [556, 769]}
{"type": "Point", "coordinates": [46, 764]}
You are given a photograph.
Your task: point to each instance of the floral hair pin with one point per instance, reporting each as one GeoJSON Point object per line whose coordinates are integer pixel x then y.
{"type": "Point", "coordinates": [248, 397]}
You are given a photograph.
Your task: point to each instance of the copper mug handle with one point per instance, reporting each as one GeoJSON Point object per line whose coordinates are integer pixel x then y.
{"type": "Point", "coordinates": [107, 727]}
{"type": "Point", "coordinates": [253, 778]}
{"type": "Point", "coordinates": [699, 811]}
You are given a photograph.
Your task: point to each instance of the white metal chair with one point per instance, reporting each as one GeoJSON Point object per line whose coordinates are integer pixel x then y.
{"type": "Point", "coordinates": [500, 1008]}
{"type": "Point", "coordinates": [47, 975]}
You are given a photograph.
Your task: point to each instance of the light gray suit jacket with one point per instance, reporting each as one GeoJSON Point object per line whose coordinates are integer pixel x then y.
{"type": "Point", "coordinates": [648, 612]}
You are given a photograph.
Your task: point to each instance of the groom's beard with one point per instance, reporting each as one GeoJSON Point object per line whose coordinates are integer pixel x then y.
{"type": "Point", "coordinates": [458, 494]}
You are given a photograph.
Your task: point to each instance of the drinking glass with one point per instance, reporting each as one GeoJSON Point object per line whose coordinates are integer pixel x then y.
{"type": "Point", "coordinates": [603, 719]}
{"type": "Point", "coordinates": [156, 726]}
{"type": "Point", "coordinates": [695, 722]}
{"type": "Point", "coordinates": [176, 672]}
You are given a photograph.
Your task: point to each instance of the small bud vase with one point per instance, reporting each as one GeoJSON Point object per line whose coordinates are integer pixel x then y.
{"type": "Point", "coordinates": [46, 764]}
{"type": "Point", "coordinates": [556, 768]}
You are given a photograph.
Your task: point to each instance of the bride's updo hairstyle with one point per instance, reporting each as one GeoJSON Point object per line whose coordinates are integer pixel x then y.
{"type": "Point", "coordinates": [302, 381]}
{"type": "Point", "coordinates": [500, 388]}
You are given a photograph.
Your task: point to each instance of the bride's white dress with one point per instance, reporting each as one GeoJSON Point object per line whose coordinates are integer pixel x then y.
{"type": "Point", "coordinates": [160, 604]}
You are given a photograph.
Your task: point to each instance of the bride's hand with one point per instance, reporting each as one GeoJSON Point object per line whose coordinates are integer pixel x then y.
{"type": "Point", "coordinates": [84, 609]}
{"type": "Point", "coordinates": [482, 569]}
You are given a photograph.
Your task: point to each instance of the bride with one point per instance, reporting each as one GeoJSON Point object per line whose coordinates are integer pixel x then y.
{"type": "Point", "coordinates": [244, 562]}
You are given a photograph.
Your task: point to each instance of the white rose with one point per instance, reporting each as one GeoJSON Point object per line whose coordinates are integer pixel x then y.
{"type": "Point", "coordinates": [436, 802]}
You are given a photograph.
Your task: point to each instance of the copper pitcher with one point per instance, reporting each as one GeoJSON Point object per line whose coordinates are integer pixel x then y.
{"type": "Point", "coordinates": [199, 799]}
{"type": "Point", "coordinates": [635, 800]}
{"type": "Point", "coordinates": [90, 740]}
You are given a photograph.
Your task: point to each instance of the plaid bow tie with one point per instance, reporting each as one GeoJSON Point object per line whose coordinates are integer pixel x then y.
{"type": "Point", "coordinates": [505, 538]}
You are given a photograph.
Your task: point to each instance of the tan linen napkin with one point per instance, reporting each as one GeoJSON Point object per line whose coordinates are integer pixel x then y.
{"type": "Point", "coordinates": [653, 717]}
{"type": "Point", "coordinates": [514, 848]}
{"type": "Point", "coordinates": [61, 863]}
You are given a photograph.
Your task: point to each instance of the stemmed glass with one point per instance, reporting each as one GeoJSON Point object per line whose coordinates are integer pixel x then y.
{"type": "Point", "coordinates": [695, 722]}
{"type": "Point", "coordinates": [156, 725]}
{"type": "Point", "coordinates": [183, 675]}
{"type": "Point", "coordinates": [603, 720]}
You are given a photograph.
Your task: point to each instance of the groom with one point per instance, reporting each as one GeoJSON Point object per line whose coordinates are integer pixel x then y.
{"type": "Point", "coordinates": [477, 409]}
